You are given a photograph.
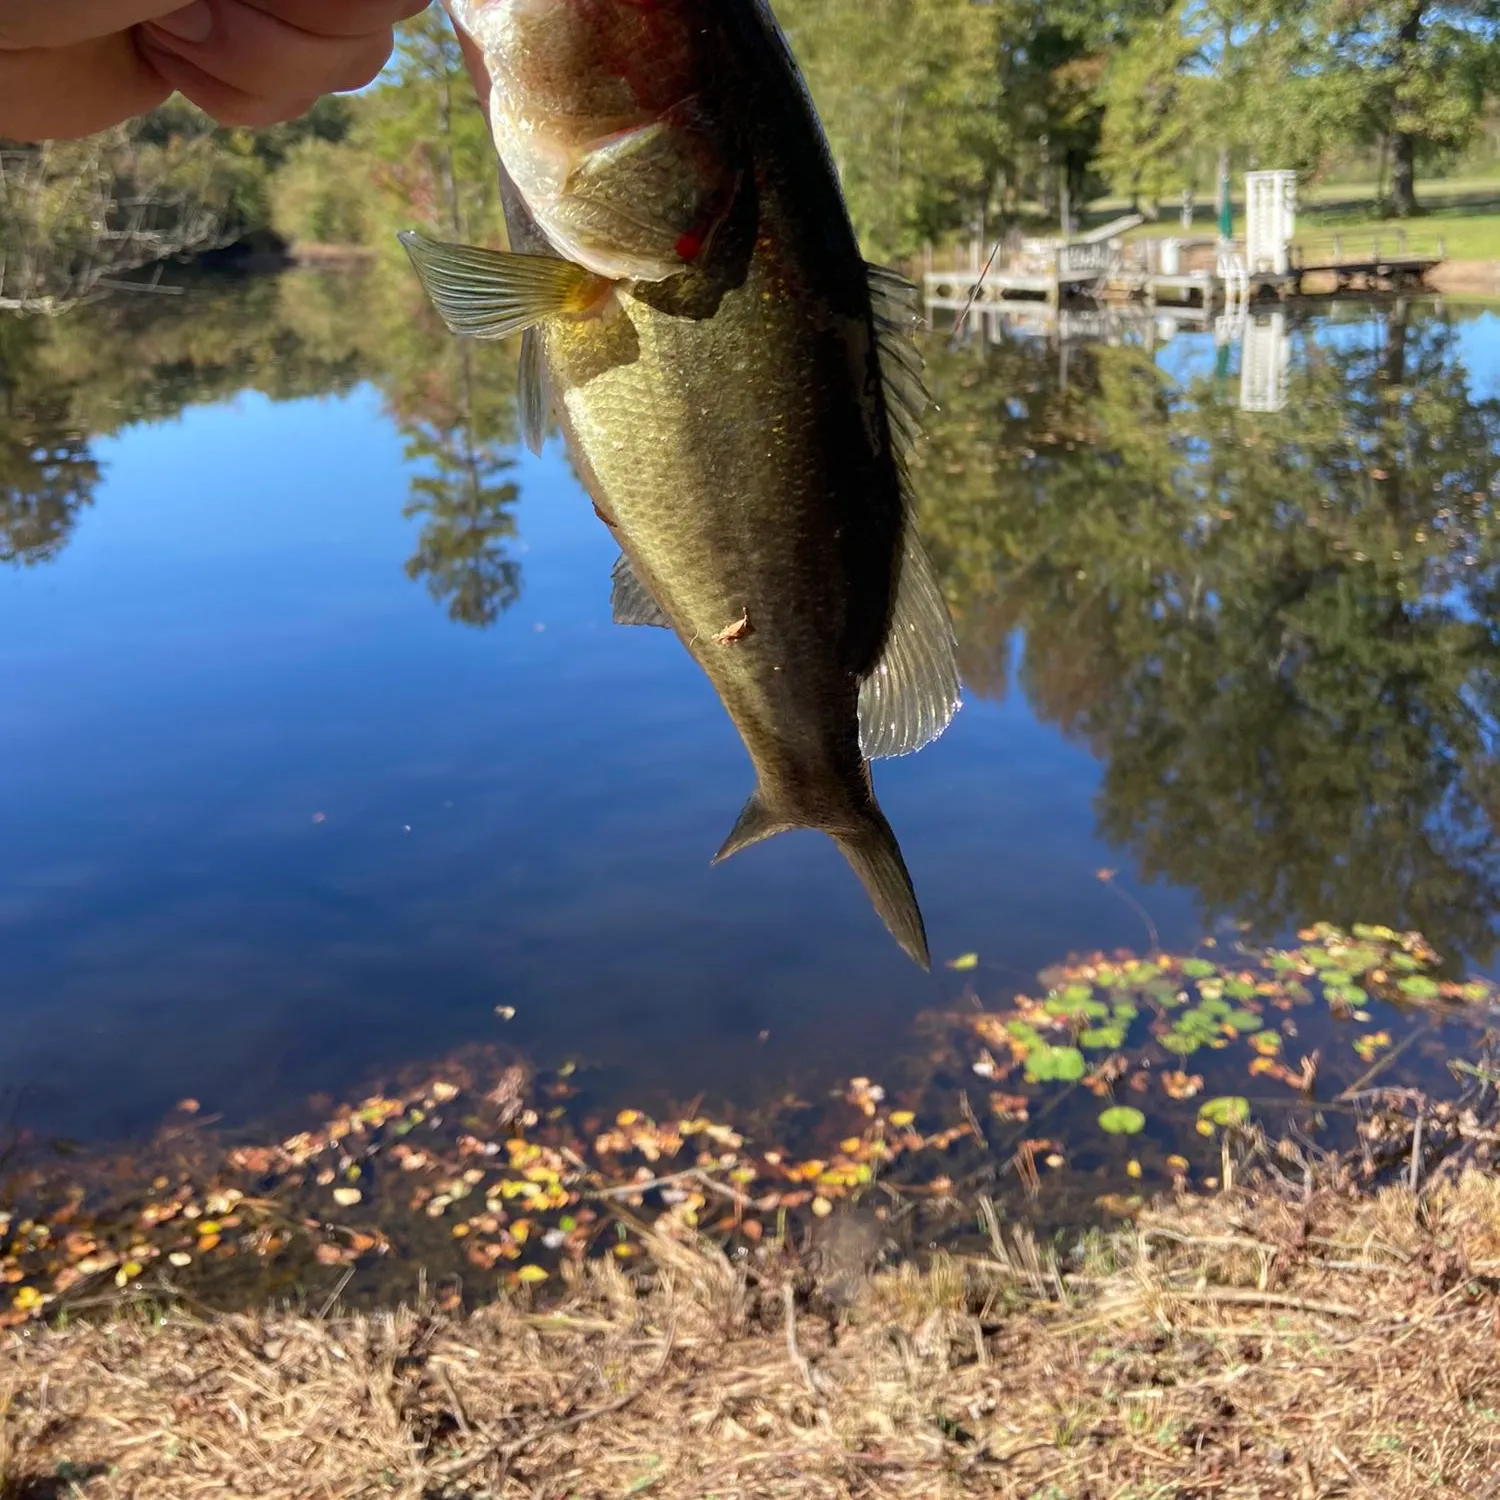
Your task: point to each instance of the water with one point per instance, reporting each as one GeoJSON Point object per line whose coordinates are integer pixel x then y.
{"type": "Point", "coordinates": [318, 745]}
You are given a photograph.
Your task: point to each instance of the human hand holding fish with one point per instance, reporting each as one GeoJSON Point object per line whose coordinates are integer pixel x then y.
{"type": "Point", "coordinates": [72, 67]}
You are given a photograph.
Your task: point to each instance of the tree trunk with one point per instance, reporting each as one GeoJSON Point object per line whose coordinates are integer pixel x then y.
{"type": "Point", "coordinates": [1403, 174]}
{"type": "Point", "coordinates": [1403, 142]}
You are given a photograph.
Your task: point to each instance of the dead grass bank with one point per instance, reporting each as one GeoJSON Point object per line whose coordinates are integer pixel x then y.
{"type": "Point", "coordinates": [1270, 1342]}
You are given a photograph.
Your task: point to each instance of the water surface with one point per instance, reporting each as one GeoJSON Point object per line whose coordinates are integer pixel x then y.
{"type": "Point", "coordinates": [317, 744]}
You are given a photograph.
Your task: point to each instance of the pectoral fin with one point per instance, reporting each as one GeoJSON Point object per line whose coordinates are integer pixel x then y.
{"type": "Point", "coordinates": [491, 294]}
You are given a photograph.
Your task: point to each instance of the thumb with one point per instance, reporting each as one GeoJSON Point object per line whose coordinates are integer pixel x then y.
{"type": "Point", "coordinates": [61, 23]}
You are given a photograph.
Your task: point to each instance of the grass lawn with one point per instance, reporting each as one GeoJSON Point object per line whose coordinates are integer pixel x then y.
{"type": "Point", "coordinates": [1463, 212]}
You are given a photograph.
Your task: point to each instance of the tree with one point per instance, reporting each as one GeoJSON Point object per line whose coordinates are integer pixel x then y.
{"type": "Point", "coordinates": [429, 138]}
{"type": "Point", "coordinates": [1413, 74]}
{"type": "Point", "coordinates": [467, 508]}
{"type": "Point", "coordinates": [909, 94]}
{"type": "Point", "coordinates": [1280, 634]}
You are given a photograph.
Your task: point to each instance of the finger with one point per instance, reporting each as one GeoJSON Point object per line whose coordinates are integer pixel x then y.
{"type": "Point", "coordinates": [339, 18]}
{"type": "Point", "coordinates": [60, 23]}
{"type": "Point", "coordinates": [59, 93]}
{"type": "Point", "coordinates": [255, 54]}
{"type": "Point", "coordinates": [225, 103]}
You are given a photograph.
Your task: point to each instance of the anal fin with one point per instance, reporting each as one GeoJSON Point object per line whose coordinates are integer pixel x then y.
{"type": "Point", "coordinates": [630, 601]}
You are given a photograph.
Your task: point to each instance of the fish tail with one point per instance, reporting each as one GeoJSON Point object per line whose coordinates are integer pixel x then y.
{"type": "Point", "coordinates": [875, 856]}
{"type": "Point", "coordinates": [872, 852]}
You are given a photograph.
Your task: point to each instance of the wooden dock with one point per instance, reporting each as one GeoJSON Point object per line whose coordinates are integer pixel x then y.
{"type": "Point", "coordinates": [1055, 275]}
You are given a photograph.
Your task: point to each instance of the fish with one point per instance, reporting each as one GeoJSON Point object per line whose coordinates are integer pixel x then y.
{"type": "Point", "coordinates": [738, 390]}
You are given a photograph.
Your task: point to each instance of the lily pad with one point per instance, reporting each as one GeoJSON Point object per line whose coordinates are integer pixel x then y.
{"type": "Point", "coordinates": [1419, 987]}
{"type": "Point", "coordinates": [1097, 1037]}
{"type": "Point", "coordinates": [1046, 1064]}
{"type": "Point", "coordinates": [1225, 1110]}
{"type": "Point", "coordinates": [1198, 968]}
{"type": "Point", "coordinates": [1123, 1119]}
{"type": "Point", "coordinates": [1243, 1020]}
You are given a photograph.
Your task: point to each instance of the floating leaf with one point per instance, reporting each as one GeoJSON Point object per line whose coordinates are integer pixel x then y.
{"type": "Point", "coordinates": [347, 1197]}
{"type": "Point", "coordinates": [1243, 1020]}
{"type": "Point", "coordinates": [1123, 1119]}
{"type": "Point", "coordinates": [1267, 1043]}
{"type": "Point", "coordinates": [1226, 1110]}
{"type": "Point", "coordinates": [822, 1207]}
{"type": "Point", "coordinates": [1132, 1168]}
{"type": "Point", "coordinates": [531, 1275]}
{"type": "Point", "coordinates": [1198, 968]}
{"type": "Point", "coordinates": [1045, 1064]}
{"type": "Point", "coordinates": [902, 1117]}
{"type": "Point", "coordinates": [1382, 934]}
{"type": "Point", "coordinates": [964, 962]}
{"type": "Point", "coordinates": [1181, 1085]}
{"type": "Point", "coordinates": [1100, 1037]}
{"type": "Point", "coordinates": [1419, 987]}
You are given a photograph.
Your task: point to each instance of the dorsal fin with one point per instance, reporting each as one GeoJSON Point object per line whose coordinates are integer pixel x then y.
{"type": "Point", "coordinates": [630, 600]}
{"type": "Point", "coordinates": [893, 301]}
{"type": "Point", "coordinates": [912, 694]}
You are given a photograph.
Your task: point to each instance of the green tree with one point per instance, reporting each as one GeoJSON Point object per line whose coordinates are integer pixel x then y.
{"type": "Point", "coordinates": [1279, 633]}
{"type": "Point", "coordinates": [909, 94]}
{"type": "Point", "coordinates": [428, 138]}
{"type": "Point", "coordinates": [1413, 75]}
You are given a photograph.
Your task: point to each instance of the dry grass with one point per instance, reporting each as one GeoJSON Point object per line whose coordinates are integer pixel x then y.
{"type": "Point", "coordinates": [1273, 1344]}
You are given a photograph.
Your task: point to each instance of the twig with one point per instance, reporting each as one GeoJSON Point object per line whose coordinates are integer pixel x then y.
{"type": "Point", "coordinates": [1380, 1065]}
{"type": "Point", "coordinates": [335, 1294]}
{"type": "Point", "coordinates": [974, 291]}
{"type": "Point", "coordinates": [1140, 911]}
{"type": "Point", "coordinates": [1356, 1476]}
{"type": "Point", "coordinates": [967, 1110]}
{"type": "Point", "coordinates": [1414, 1176]}
{"type": "Point", "coordinates": [1244, 1296]}
{"type": "Point", "coordinates": [632, 1189]}
{"type": "Point", "coordinates": [506, 1452]}
{"type": "Point", "coordinates": [795, 1354]}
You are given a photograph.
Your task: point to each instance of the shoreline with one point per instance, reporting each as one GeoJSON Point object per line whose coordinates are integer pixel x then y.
{"type": "Point", "coordinates": [1293, 1336]}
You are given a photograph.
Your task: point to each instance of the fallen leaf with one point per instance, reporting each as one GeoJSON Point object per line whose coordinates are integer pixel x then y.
{"type": "Point", "coordinates": [964, 962]}
{"type": "Point", "coordinates": [735, 632]}
{"type": "Point", "coordinates": [822, 1207]}
{"type": "Point", "coordinates": [347, 1197]}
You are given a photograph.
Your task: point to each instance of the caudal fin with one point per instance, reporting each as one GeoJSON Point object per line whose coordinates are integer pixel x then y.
{"type": "Point", "coordinates": [875, 857]}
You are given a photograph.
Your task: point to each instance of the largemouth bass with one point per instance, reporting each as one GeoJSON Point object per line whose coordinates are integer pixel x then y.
{"type": "Point", "coordinates": [737, 388]}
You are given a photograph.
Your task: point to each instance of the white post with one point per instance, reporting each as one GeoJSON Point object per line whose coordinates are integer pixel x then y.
{"type": "Point", "coordinates": [1270, 220]}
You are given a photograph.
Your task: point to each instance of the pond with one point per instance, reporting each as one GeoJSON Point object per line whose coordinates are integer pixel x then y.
{"type": "Point", "coordinates": [321, 756]}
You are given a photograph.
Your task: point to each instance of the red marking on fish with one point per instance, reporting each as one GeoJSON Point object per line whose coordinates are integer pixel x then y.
{"type": "Point", "coordinates": [689, 246]}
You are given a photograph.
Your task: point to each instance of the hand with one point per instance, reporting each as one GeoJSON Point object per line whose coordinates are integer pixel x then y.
{"type": "Point", "coordinates": [71, 67]}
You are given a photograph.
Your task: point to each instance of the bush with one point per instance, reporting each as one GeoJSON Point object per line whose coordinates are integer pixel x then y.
{"type": "Point", "coordinates": [321, 195]}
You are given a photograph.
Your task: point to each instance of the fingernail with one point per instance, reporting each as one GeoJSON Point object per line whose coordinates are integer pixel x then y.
{"type": "Point", "coordinates": [190, 24]}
